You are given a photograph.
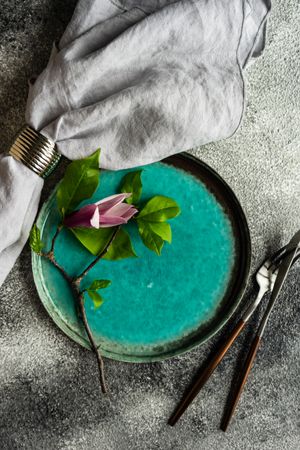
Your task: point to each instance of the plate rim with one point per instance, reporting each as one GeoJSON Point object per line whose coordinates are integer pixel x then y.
{"type": "Point", "coordinates": [71, 334]}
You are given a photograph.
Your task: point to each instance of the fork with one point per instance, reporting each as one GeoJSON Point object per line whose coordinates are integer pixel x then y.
{"type": "Point", "coordinates": [265, 277]}
{"type": "Point", "coordinates": [276, 282]}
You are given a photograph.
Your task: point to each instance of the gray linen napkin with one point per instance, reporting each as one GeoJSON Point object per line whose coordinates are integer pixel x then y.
{"type": "Point", "coordinates": [140, 79]}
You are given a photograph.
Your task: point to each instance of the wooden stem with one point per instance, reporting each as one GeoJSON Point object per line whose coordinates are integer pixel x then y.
{"type": "Point", "coordinates": [93, 344]}
{"type": "Point", "coordinates": [75, 283]}
{"type": "Point", "coordinates": [80, 277]}
{"type": "Point", "coordinates": [58, 230]}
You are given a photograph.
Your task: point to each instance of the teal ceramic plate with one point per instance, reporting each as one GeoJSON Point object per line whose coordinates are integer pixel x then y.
{"type": "Point", "coordinates": [156, 307]}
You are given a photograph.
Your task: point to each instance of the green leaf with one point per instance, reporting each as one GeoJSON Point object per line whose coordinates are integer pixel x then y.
{"type": "Point", "coordinates": [96, 298]}
{"type": "Point", "coordinates": [94, 295]}
{"type": "Point", "coordinates": [121, 247]}
{"type": "Point", "coordinates": [162, 229]}
{"type": "Point", "coordinates": [95, 242]}
{"type": "Point", "coordinates": [79, 183]}
{"type": "Point", "coordinates": [149, 238]}
{"type": "Point", "coordinates": [132, 183]}
{"type": "Point", "coordinates": [159, 209]}
{"type": "Point", "coordinates": [99, 284]}
{"type": "Point", "coordinates": [92, 239]}
{"type": "Point", "coordinates": [35, 239]}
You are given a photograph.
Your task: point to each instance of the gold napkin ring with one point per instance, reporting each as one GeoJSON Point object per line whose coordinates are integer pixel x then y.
{"type": "Point", "coordinates": [35, 151]}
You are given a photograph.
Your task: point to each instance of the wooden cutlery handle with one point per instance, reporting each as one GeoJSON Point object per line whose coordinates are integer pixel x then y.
{"type": "Point", "coordinates": [241, 383]}
{"type": "Point", "coordinates": [207, 372]}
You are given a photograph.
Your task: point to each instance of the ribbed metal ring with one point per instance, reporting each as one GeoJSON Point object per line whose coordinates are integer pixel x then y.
{"type": "Point", "coordinates": [36, 151]}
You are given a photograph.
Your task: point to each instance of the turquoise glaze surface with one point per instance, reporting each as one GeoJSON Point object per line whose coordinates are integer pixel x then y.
{"type": "Point", "coordinates": [153, 301]}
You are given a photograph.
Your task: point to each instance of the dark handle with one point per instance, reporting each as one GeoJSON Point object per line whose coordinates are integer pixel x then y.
{"type": "Point", "coordinates": [204, 376]}
{"type": "Point", "coordinates": [241, 383]}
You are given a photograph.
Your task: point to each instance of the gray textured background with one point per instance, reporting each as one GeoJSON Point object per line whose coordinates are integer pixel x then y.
{"type": "Point", "coordinates": [49, 396]}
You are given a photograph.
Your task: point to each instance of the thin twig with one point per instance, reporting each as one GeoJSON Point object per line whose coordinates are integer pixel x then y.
{"type": "Point", "coordinates": [50, 256]}
{"type": "Point", "coordinates": [58, 230]}
{"type": "Point", "coordinates": [93, 344]}
{"type": "Point", "coordinates": [78, 279]}
{"type": "Point", "coordinates": [75, 283]}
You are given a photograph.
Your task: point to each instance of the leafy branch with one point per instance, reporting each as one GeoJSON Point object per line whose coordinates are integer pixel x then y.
{"type": "Point", "coordinates": [74, 283]}
{"type": "Point", "coordinates": [100, 231]}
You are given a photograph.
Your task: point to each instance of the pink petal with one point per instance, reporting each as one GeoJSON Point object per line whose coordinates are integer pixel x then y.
{"type": "Point", "coordinates": [81, 218]}
{"type": "Point", "coordinates": [130, 213]}
{"type": "Point", "coordinates": [111, 221]}
{"type": "Point", "coordinates": [118, 210]}
{"type": "Point", "coordinates": [95, 220]}
{"type": "Point", "coordinates": [109, 202]}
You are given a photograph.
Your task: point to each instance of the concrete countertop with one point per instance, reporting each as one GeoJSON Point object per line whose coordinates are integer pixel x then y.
{"type": "Point", "coordinates": [49, 396]}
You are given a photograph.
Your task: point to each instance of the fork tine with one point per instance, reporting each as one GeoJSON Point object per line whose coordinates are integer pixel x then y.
{"type": "Point", "coordinates": [278, 256]}
{"type": "Point", "coordinates": [275, 257]}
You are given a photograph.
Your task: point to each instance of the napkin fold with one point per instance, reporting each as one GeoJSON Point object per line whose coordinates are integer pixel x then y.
{"type": "Point", "coordinates": [142, 79]}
